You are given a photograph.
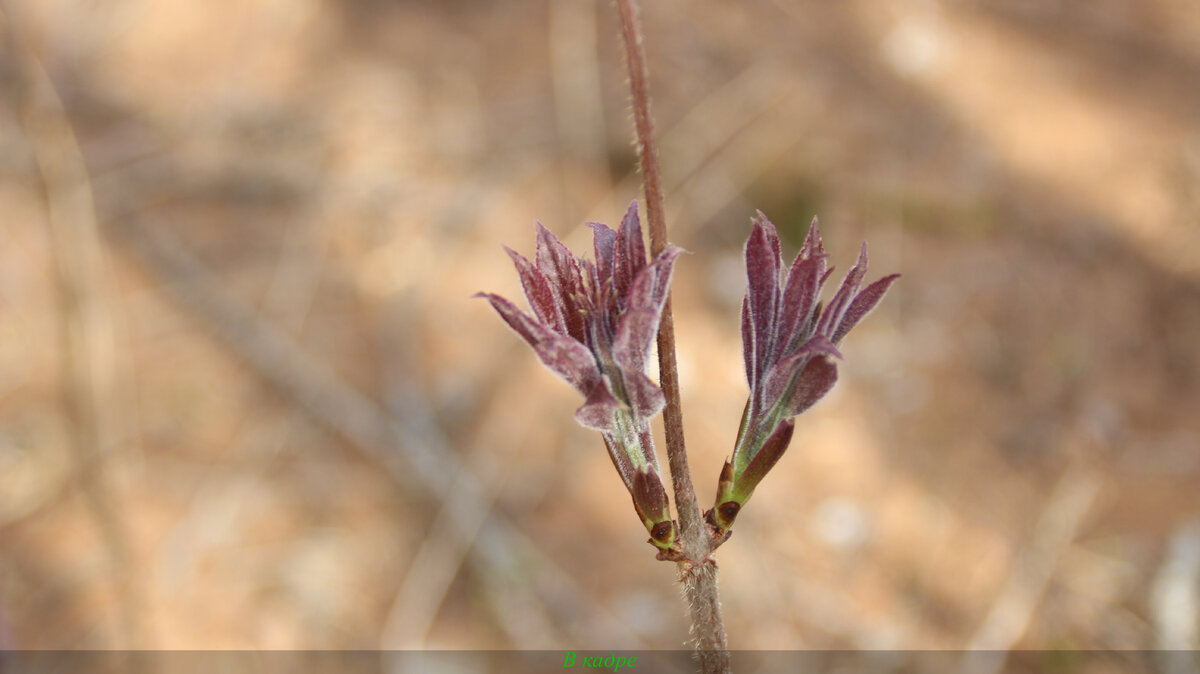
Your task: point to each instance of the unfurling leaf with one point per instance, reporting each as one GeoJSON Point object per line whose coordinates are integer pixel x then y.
{"type": "Point", "coordinates": [790, 345]}
{"type": "Point", "coordinates": [593, 324]}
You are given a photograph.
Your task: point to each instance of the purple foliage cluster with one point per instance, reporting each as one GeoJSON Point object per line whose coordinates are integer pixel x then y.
{"type": "Point", "coordinates": [593, 323]}
{"type": "Point", "coordinates": [789, 342]}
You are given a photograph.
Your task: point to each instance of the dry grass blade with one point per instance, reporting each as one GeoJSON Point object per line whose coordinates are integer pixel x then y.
{"type": "Point", "coordinates": [432, 569]}
{"type": "Point", "coordinates": [85, 320]}
{"type": "Point", "coordinates": [1015, 607]}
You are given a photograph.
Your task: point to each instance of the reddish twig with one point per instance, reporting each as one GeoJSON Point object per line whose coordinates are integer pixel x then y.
{"type": "Point", "coordinates": [698, 572]}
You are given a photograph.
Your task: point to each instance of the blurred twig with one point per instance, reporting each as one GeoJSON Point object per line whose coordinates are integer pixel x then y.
{"type": "Point", "coordinates": [432, 569]}
{"type": "Point", "coordinates": [453, 531]}
{"type": "Point", "coordinates": [414, 460]}
{"type": "Point", "coordinates": [1176, 602]}
{"type": "Point", "coordinates": [1014, 608]}
{"type": "Point", "coordinates": [578, 105]}
{"type": "Point", "coordinates": [86, 332]}
{"type": "Point", "coordinates": [694, 532]}
{"type": "Point", "coordinates": [219, 500]}
{"type": "Point", "coordinates": [297, 275]}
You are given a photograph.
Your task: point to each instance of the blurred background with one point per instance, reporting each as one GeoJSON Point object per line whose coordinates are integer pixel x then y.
{"type": "Point", "coordinates": [246, 400]}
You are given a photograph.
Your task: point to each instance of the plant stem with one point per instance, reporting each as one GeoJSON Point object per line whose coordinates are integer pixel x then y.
{"type": "Point", "coordinates": [698, 572]}
{"type": "Point", "coordinates": [685, 494]}
{"type": "Point", "coordinates": [704, 601]}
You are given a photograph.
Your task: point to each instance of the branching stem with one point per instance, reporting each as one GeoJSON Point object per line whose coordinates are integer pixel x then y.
{"type": "Point", "coordinates": [698, 572]}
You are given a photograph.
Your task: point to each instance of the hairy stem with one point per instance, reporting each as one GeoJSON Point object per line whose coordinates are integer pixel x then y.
{"type": "Point", "coordinates": [698, 572]}
{"type": "Point", "coordinates": [704, 604]}
{"type": "Point", "coordinates": [685, 494]}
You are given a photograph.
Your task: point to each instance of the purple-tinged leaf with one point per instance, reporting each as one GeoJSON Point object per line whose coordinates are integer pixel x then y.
{"type": "Point", "coordinates": [630, 253]}
{"type": "Point", "coordinates": [650, 501]}
{"type": "Point", "coordinates": [814, 381]}
{"type": "Point", "coordinates": [599, 410]}
{"type": "Point", "coordinates": [789, 347]}
{"type": "Point", "coordinates": [643, 311]}
{"type": "Point", "coordinates": [748, 344]}
{"type": "Point", "coordinates": [525, 325]}
{"type": "Point", "coordinates": [663, 265]}
{"type": "Point", "coordinates": [734, 488]}
{"type": "Point", "coordinates": [812, 242]}
{"type": "Point", "coordinates": [591, 281]}
{"type": "Point", "coordinates": [645, 398]}
{"type": "Point", "coordinates": [595, 322]}
{"type": "Point", "coordinates": [553, 258]}
{"type": "Point", "coordinates": [649, 496]}
{"type": "Point", "coordinates": [605, 240]}
{"type": "Point", "coordinates": [762, 272]}
{"type": "Point", "coordinates": [779, 377]}
{"type": "Point", "coordinates": [620, 459]}
{"type": "Point", "coordinates": [762, 462]}
{"type": "Point", "coordinates": [841, 300]}
{"type": "Point", "coordinates": [646, 438]}
{"type": "Point", "coordinates": [799, 296]}
{"type": "Point", "coordinates": [566, 357]}
{"type": "Point", "coordinates": [561, 269]}
{"type": "Point", "coordinates": [537, 291]}
{"type": "Point", "coordinates": [862, 305]}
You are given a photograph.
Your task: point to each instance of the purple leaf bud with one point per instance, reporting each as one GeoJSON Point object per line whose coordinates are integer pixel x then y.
{"type": "Point", "coordinates": [789, 344]}
{"type": "Point", "coordinates": [593, 324]}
